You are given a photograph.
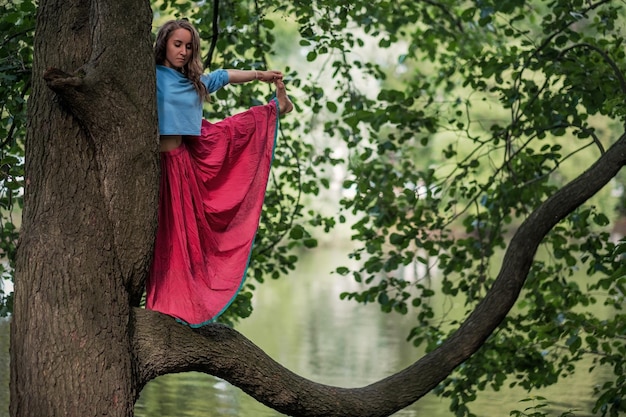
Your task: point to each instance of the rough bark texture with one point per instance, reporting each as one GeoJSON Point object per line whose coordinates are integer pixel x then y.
{"type": "Point", "coordinates": [89, 215]}
{"type": "Point", "coordinates": [78, 348]}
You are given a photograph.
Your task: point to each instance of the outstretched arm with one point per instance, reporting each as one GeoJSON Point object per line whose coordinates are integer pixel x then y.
{"type": "Point", "coordinates": [244, 76]}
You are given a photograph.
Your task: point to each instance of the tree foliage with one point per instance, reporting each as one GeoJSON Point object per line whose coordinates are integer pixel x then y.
{"type": "Point", "coordinates": [486, 109]}
{"type": "Point", "coordinates": [510, 93]}
{"type": "Point", "coordinates": [17, 28]}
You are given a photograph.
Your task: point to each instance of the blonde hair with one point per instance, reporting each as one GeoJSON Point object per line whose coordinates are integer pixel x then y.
{"type": "Point", "coordinates": [193, 69]}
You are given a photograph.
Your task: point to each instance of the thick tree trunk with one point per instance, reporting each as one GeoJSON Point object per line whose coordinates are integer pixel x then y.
{"type": "Point", "coordinates": [90, 204]}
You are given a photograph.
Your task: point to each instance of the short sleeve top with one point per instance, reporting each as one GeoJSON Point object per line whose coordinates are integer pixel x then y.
{"type": "Point", "coordinates": [179, 107]}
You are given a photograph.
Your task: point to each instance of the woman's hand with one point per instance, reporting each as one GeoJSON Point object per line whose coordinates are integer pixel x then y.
{"type": "Point", "coordinates": [269, 76]}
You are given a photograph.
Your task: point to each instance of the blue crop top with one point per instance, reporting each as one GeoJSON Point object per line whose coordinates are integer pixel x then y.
{"type": "Point", "coordinates": [178, 105]}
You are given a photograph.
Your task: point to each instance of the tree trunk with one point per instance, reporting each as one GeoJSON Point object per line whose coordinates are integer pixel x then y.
{"type": "Point", "coordinates": [89, 212]}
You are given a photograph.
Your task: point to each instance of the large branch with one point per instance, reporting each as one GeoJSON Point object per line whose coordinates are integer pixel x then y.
{"type": "Point", "coordinates": [162, 346]}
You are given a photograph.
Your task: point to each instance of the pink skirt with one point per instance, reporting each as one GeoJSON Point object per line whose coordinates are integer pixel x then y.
{"type": "Point", "coordinates": [211, 195]}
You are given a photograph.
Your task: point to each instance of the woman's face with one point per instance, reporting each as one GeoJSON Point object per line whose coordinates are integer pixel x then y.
{"type": "Point", "coordinates": [179, 49]}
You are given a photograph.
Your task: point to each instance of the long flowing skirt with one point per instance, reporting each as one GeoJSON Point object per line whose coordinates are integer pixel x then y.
{"type": "Point", "coordinates": [211, 195]}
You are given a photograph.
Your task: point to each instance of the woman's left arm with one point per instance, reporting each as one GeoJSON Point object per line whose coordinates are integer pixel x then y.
{"type": "Point", "coordinates": [244, 76]}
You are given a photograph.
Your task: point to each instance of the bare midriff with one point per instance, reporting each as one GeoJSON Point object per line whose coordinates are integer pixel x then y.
{"type": "Point", "coordinates": [170, 142]}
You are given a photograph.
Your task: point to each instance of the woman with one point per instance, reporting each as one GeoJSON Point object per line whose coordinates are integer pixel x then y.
{"type": "Point", "coordinates": [213, 180]}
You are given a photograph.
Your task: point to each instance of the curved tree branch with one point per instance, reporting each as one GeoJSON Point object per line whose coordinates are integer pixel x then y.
{"type": "Point", "coordinates": [616, 70]}
{"type": "Point", "coordinates": [163, 346]}
{"type": "Point", "coordinates": [445, 10]}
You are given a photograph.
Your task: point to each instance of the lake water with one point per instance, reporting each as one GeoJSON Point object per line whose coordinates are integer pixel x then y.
{"type": "Point", "coordinates": [301, 323]}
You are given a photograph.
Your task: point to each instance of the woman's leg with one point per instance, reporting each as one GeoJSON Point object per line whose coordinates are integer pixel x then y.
{"type": "Point", "coordinates": [284, 103]}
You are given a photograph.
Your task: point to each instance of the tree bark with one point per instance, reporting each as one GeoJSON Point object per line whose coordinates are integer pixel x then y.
{"type": "Point", "coordinates": [90, 204]}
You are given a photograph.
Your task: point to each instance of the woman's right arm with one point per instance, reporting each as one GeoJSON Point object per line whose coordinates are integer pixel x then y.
{"type": "Point", "coordinates": [244, 76]}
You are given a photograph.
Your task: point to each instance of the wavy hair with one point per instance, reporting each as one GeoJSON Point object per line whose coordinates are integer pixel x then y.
{"type": "Point", "coordinates": [193, 69]}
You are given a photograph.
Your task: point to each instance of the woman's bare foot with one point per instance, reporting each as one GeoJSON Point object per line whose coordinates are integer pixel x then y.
{"type": "Point", "coordinates": [285, 105]}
